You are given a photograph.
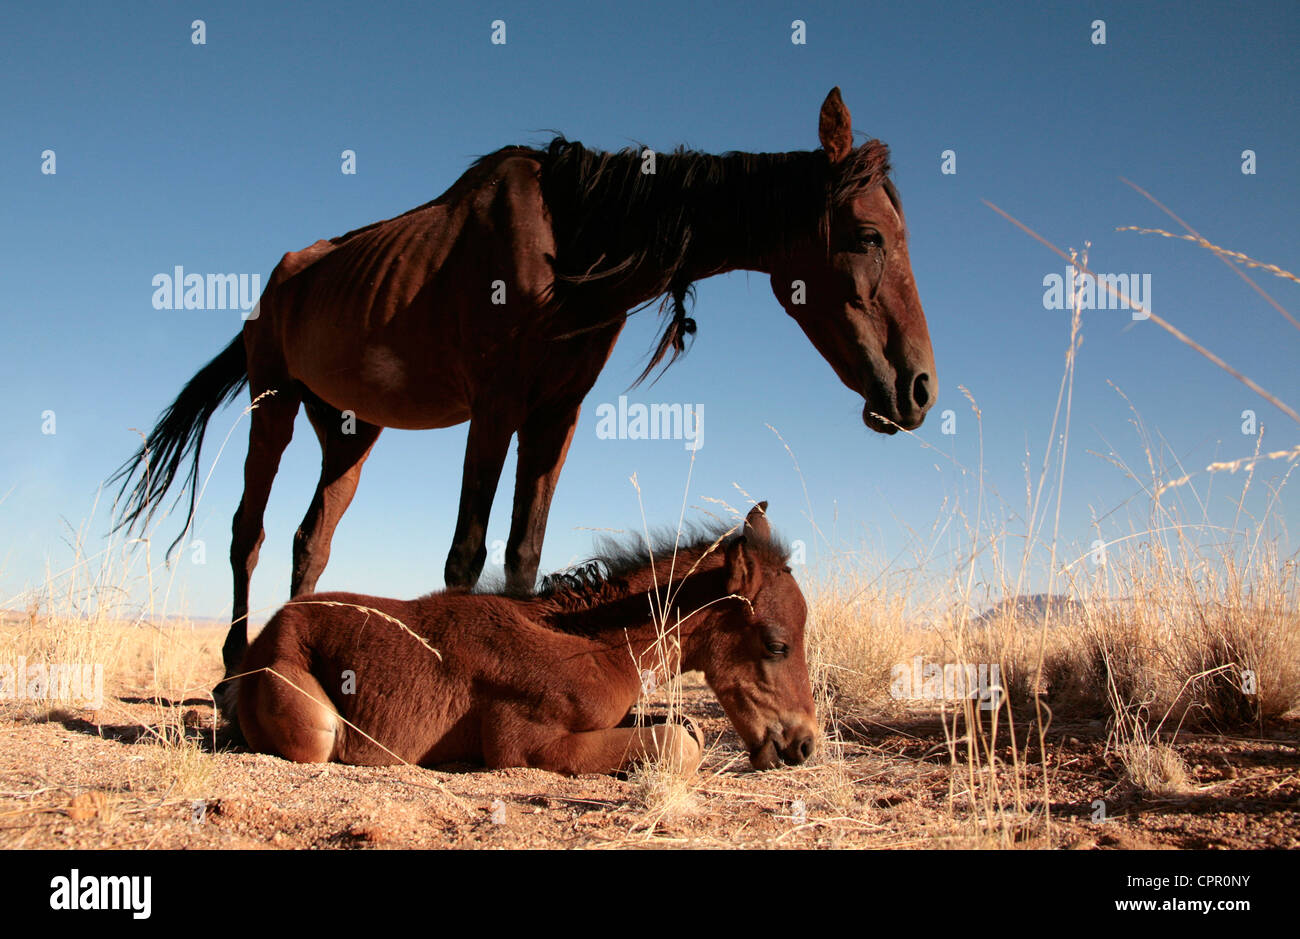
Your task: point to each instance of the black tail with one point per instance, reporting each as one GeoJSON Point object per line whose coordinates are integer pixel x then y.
{"type": "Point", "coordinates": [179, 435]}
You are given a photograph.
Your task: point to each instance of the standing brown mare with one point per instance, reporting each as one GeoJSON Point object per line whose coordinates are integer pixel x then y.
{"type": "Point", "coordinates": [499, 302]}
{"type": "Point", "coordinates": [541, 681]}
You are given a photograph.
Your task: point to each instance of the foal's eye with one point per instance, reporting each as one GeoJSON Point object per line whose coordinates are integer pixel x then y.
{"type": "Point", "coordinates": [777, 649]}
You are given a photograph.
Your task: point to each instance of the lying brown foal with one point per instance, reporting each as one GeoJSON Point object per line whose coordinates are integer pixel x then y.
{"type": "Point", "coordinates": [541, 681]}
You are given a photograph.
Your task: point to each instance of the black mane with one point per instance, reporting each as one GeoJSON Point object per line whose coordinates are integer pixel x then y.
{"type": "Point", "coordinates": [612, 221]}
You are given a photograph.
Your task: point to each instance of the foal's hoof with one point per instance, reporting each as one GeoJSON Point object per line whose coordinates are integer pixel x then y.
{"type": "Point", "coordinates": [695, 732]}
{"type": "Point", "coordinates": [683, 748]}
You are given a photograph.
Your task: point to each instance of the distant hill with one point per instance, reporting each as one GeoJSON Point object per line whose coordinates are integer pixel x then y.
{"type": "Point", "coordinates": [1031, 608]}
{"type": "Point", "coordinates": [20, 617]}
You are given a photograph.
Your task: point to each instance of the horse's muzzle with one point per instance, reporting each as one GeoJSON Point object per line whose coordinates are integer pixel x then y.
{"type": "Point", "coordinates": [900, 405]}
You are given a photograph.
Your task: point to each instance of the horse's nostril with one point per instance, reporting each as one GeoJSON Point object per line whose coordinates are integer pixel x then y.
{"type": "Point", "coordinates": [921, 390]}
{"type": "Point", "coordinates": [806, 747]}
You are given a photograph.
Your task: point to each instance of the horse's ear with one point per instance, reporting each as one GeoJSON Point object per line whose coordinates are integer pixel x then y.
{"type": "Point", "coordinates": [756, 522]}
{"type": "Point", "coordinates": [835, 127]}
{"type": "Point", "coordinates": [743, 573]}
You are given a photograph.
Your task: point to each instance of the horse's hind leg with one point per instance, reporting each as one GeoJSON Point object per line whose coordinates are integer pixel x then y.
{"type": "Point", "coordinates": [344, 448]}
{"type": "Point", "coordinates": [287, 712]}
{"type": "Point", "coordinates": [485, 454]}
{"type": "Point", "coordinates": [543, 444]}
{"type": "Point", "coordinates": [269, 433]}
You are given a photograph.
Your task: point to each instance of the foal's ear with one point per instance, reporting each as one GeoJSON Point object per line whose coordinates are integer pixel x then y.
{"type": "Point", "coordinates": [835, 127]}
{"type": "Point", "coordinates": [756, 522]}
{"type": "Point", "coordinates": [743, 573]}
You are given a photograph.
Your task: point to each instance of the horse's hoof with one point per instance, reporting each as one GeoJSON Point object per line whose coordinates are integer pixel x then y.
{"type": "Point", "coordinates": [221, 692]}
{"type": "Point", "coordinates": [226, 696]}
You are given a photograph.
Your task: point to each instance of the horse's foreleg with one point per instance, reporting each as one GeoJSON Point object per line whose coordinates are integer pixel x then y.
{"type": "Point", "coordinates": [618, 749]}
{"type": "Point", "coordinates": [485, 453]}
{"type": "Point", "coordinates": [344, 448]}
{"type": "Point", "coordinates": [543, 444]}
{"type": "Point", "coordinates": [270, 430]}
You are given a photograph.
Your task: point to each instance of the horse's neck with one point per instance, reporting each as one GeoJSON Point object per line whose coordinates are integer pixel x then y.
{"type": "Point", "coordinates": [739, 219]}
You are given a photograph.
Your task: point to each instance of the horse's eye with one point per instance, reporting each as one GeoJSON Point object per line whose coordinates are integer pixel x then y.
{"type": "Point", "coordinates": [777, 649]}
{"type": "Point", "coordinates": [868, 241]}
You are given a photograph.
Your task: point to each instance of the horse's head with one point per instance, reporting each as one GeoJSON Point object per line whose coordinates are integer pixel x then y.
{"type": "Point", "coordinates": [850, 288]}
{"type": "Point", "coordinates": [755, 660]}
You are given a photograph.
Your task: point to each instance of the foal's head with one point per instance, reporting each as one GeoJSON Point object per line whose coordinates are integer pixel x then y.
{"type": "Point", "coordinates": [755, 661]}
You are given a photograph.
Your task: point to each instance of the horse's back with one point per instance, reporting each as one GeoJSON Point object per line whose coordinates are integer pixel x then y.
{"type": "Point", "coordinates": [376, 273]}
{"type": "Point", "coordinates": [388, 321]}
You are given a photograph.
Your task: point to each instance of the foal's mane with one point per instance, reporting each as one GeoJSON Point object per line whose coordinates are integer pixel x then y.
{"type": "Point", "coordinates": [605, 578]}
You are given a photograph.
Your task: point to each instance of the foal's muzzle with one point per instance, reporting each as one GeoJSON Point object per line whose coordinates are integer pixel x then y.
{"type": "Point", "coordinates": [771, 753]}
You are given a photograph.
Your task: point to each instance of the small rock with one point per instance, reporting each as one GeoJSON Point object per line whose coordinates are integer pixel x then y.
{"type": "Point", "coordinates": [373, 834]}
{"type": "Point", "coordinates": [87, 805]}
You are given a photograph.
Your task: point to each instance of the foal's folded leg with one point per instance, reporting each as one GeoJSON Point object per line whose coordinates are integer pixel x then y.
{"type": "Point", "coordinates": [287, 712]}
{"type": "Point", "coordinates": [616, 749]}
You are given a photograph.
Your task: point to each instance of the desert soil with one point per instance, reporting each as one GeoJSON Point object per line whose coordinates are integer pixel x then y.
{"type": "Point", "coordinates": [142, 772]}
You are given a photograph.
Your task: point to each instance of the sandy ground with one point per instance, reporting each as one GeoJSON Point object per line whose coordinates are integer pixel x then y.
{"type": "Point", "coordinates": [142, 772]}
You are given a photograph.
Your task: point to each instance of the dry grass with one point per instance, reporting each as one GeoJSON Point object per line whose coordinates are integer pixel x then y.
{"type": "Point", "coordinates": [82, 617]}
{"type": "Point", "coordinates": [1177, 624]}
{"type": "Point", "coordinates": [1171, 634]}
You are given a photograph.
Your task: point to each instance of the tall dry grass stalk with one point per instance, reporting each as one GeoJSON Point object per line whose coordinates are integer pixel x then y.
{"type": "Point", "coordinates": [666, 784]}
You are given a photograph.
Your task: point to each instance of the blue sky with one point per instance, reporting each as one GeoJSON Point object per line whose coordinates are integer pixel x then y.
{"type": "Point", "coordinates": [221, 157]}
